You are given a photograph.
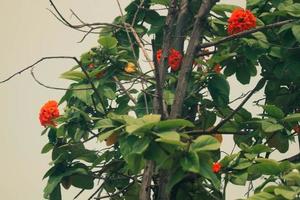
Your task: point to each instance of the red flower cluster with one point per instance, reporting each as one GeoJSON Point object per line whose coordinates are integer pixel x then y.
{"type": "Point", "coordinates": [217, 68]}
{"type": "Point", "coordinates": [241, 20]}
{"type": "Point", "coordinates": [216, 167]}
{"type": "Point", "coordinates": [174, 59]}
{"type": "Point", "coordinates": [48, 113]}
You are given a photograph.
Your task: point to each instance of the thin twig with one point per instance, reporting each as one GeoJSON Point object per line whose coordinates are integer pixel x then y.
{"type": "Point", "coordinates": [256, 88]}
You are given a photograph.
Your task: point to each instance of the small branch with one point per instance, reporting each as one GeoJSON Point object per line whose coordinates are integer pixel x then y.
{"type": "Point", "coordinates": [256, 88]}
{"type": "Point", "coordinates": [181, 25]}
{"type": "Point", "coordinates": [245, 33]}
{"type": "Point", "coordinates": [293, 159]}
{"type": "Point", "coordinates": [51, 87]}
{"type": "Point", "coordinates": [145, 190]}
{"type": "Point", "coordinates": [92, 84]}
{"type": "Point", "coordinates": [31, 66]}
{"type": "Point", "coordinates": [133, 52]}
{"type": "Point", "coordinates": [124, 89]}
{"type": "Point", "coordinates": [124, 190]}
{"type": "Point", "coordinates": [161, 66]}
{"type": "Point", "coordinates": [210, 132]}
{"type": "Point", "coordinates": [83, 24]}
{"type": "Point", "coordinates": [186, 66]}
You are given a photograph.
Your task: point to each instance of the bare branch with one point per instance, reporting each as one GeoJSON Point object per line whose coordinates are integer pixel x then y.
{"type": "Point", "coordinates": [37, 62]}
{"type": "Point", "coordinates": [79, 26]}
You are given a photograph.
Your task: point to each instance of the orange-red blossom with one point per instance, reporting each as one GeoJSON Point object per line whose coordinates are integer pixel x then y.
{"type": "Point", "coordinates": [241, 20]}
{"type": "Point", "coordinates": [48, 113]}
{"type": "Point", "coordinates": [174, 58]}
{"type": "Point", "coordinates": [216, 167]}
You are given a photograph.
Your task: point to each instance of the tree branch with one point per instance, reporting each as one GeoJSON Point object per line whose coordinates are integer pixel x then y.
{"type": "Point", "coordinates": [258, 86]}
{"type": "Point", "coordinates": [180, 25]}
{"type": "Point", "coordinates": [188, 59]}
{"type": "Point", "coordinates": [245, 33]}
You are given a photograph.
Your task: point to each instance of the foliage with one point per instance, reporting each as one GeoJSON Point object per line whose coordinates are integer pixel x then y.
{"type": "Point", "coordinates": [113, 98]}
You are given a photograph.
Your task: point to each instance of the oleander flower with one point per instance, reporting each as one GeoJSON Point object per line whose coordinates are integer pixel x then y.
{"type": "Point", "coordinates": [216, 167]}
{"type": "Point", "coordinates": [48, 113]}
{"type": "Point", "coordinates": [241, 20]}
{"type": "Point", "coordinates": [130, 68]}
{"type": "Point", "coordinates": [174, 58]}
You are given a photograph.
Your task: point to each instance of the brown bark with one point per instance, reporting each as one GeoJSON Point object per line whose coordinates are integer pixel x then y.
{"type": "Point", "coordinates": [188, 59]}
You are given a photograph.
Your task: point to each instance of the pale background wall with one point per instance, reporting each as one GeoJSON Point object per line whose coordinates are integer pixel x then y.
{"type": "Point", "coordinates": [28, 33]}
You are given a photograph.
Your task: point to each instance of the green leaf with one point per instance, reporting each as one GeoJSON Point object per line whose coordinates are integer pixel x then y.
{"type": "Point", "coordinates": [161, 2]}
{"type": "Point", "coordinates": [265, 166]}
{"type": "Point", "coordinates": [169, 97]}
{"type": "Point", "coordinates": [108, 42]}
{"type": "Point", "coordinates": [83, 181]}
{"type": "Point", "coordinates": [296, 31]}
{"type": "Point", "coordinates": [243, 164]}
{"type": "Point", "coordinates": [205, 143]}
{"type": "Point", "coordinates": [292, 9]}
{"type": "Point", "coordinates": [108, 92]}
{"type": "Point", "coordinates": [243, 74]}
{"type": "Point", "coordinates": [104, 123]}
{"type": "Point", "coordinates": [262, 196]}
{"type": "Point", "coordinates": [190, 162]}
{"type": "Point", "coordinates": [286, 192]}
{"type": "Point", "coordinates": [224, 8]}
{"type": "Point", "coordinates": [56, 194]}
{"type": "Point", "coordinates": [83, 93]}
{"type": "Point", "coordinates": [175, 177]}
{"type": "Point", "coordinates": [105, 135]}
{"type": "Point", "coordinates": [279, 141]}
{"type": "Point", "coordinates": [273, 111]}
{"type": "Point", "coordinates": [169, 137]}
{"type": "Point", "coordinates": [48, 147]}
{"type": "Point", "coordinates": [292, 118]}
{"type": "Point", "coordinates": [260, 148]}
{"type": "Point", "coordinates": [73, 75]}
{"type": "Point", "coordinates": [219, 90]}
{"type": "Point", "coordinates": [292, 178]}
{"type": "Point", "coordinates": [206, 171]}
{"type": "Point", "coordinates": [239, 178]}
{"type": "Point", "coordinates": [55, 179]}
{"type": "Point", "coordinates": [253, 2]}
{"type": "Point", "coordinates": [140, 146]}
{"type": "Point", "coordinates": [269, 127]}
{"type": "Point", "coordinates": [173, 124]}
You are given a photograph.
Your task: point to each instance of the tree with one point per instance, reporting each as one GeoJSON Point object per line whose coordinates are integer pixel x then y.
{"type": "Point", "coordinates": [163, 119]}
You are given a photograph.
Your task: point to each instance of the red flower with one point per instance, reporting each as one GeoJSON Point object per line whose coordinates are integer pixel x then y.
{"type": "Point", "coordinates": [216, 167]}
{"type": "Point", "coordinates": [241, 20]}
{"type": "Point", "coordinates": [158, 55]}
{"type": "Point", "coordinates": [174, 59]}
{"type": "Point", "coordinates": [48, 113]}
{"type": "Point", "coordinates": [217, 68]}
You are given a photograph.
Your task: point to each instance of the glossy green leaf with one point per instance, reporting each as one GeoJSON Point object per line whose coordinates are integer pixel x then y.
{"type": "Point", "coordinates": [48, 147]}
{"type": "Point", "coordinates": [219, 90]}
{"type": "Point", "coordinates": [205, 143]}
{"type": "Point", "coordinates": [108, 42]}
{"type": "Point", "coordinates": [190, 162]}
